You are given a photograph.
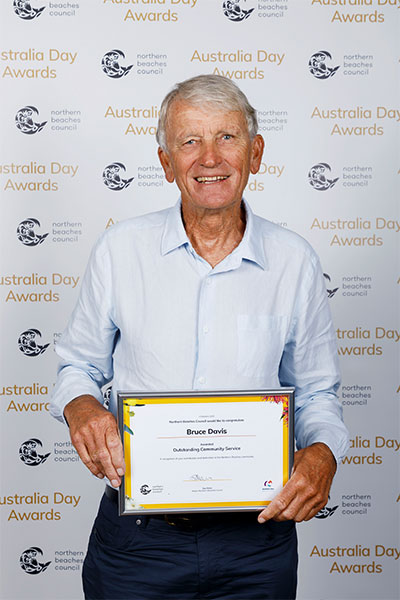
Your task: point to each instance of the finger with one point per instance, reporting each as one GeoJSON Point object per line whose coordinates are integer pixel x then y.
{"type": "Point", "coordinates": [315, 510]}
{"type": "Point", "coordinates": [101, 456]}
{"type": "Point", "coordinates": [296, 510]}
{"type": "Point", "coordinates": [301, 512]}
{"type": "Point", "coordinates": [304, 506]}
{"type": "Point", "coordinates": [282, 512]}
{"type": "Point", "coordinates": [93, 451]}
{"type": "Point", "coordinates": [278, 504]}
{"type": "Point", "coordinates": [98, 443]}
{"type": "Point", "coordinates": [114, 445]}
{"type": "Point", "coordinates": [87, 461]}
{"type": "Point", "coordinates": [297, 499]}
{"type": "Point", "coordinates": [94, 433]}
{"type": "Point", "coordinates": [269, 513]}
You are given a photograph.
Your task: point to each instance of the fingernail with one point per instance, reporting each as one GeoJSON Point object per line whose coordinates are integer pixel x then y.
{"type": "Point", "coordinates": [114, 482]}
{"type": "Point", "coordinates": [261, 520]}
{"type": "Point", "coordinates": [120, 471]}
{"type": "Point", "coordinates": [100, 475]}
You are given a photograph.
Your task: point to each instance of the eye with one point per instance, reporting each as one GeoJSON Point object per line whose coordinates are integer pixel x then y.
{"type": "Point", "coordinates": [189, 142]}
{"type": "Point", "coordinates": [227, 136]}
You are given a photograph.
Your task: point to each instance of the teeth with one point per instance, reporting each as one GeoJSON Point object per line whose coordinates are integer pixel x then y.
{"type": "Point", "coordinates": [207, 179]}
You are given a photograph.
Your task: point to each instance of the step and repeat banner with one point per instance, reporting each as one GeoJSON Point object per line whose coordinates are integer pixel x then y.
{"type": "Point", "coordinates": [81, 85]}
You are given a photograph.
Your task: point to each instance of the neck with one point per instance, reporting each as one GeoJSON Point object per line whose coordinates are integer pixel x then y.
{"type": "Point", "coordinates": [214, 233]}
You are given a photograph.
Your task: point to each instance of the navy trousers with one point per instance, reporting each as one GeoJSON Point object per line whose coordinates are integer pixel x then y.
{"type": "Point", "coordinates": [138, 558]}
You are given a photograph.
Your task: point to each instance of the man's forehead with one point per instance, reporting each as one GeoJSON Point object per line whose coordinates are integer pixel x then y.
{"type": "Point", "coordinates": [210, 107]}
{"type": "Point", "coordinates": [183, 113]}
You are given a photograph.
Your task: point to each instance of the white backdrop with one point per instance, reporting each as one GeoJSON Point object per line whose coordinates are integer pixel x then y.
{"type": "Point", "coordinates": [81, 83]}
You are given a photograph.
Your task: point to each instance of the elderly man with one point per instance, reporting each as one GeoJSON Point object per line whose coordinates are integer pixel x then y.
{"type": "Point", "coordinates": [204, 295]}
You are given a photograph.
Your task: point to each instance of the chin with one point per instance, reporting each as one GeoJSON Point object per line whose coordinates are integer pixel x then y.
{"type": "Point", "coordinates": [214, 199]}
{"type": "Point", "coordinates": [215, 203]}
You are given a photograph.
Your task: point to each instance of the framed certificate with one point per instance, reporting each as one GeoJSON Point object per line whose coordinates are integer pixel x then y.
{"type": "Point", "coordinates": [201, 452]}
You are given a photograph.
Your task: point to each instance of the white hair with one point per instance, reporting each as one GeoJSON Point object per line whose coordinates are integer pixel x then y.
{"type": "Point", "coordinates": [205, 90]}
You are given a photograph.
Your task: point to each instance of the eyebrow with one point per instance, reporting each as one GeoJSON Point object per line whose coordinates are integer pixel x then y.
{"type": "Point", "coordinates": [230, 130]}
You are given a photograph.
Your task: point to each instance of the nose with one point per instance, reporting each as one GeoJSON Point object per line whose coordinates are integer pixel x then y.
{"type": "Point", "coordinates": [210, 156]}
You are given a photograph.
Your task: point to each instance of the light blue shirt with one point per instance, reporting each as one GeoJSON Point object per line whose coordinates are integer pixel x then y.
{"type": "Point", "coordinates": [153, 315]}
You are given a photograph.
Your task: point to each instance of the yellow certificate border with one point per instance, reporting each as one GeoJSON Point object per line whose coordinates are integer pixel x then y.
{"type": "Point", "coordinates": [130, 402]}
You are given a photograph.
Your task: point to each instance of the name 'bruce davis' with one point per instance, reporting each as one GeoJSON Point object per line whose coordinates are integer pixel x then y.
{"type": "Point", "coordinates": [204, 432]}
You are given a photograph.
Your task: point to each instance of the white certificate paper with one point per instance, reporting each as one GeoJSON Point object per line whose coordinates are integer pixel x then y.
{"type": "Point", "coordinates": [196, 453]}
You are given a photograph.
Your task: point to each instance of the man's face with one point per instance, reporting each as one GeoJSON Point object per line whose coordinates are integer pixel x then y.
{"type": "Point", "coordinates": [210, 155]}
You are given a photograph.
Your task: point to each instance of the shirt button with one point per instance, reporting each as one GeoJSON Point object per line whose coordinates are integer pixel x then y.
{"type": "Point", "coordinates": [205, 329]}
{"type": "Point", "coordinates": [201, 380]}
{"type": "Point", "coordinates": [208, 281]}
{"type": "Point", "coordinates": [138, 521]}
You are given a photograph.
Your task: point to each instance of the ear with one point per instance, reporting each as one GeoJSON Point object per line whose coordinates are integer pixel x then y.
{"type": "Point", "coordinates": [257, 149]}
{"type": "Point", "coordinates": [166, 165]}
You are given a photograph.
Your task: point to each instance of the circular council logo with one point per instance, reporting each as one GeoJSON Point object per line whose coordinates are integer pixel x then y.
{"type": "Point", "coordinates": [330, 292]}
{"type": "Point", "coordinates": [317, 66]}
{"type": "Point", "coordinates": [29, 453]}
{"type": "Point", "coordinates": [110, 63]}
{"type": "Point", "coordinates": [326, 512]}
{"type": "Point", "coordinates": [236, 10]}
{"type": "Point", "coordinates": [28, 345]}
{"type": "Point", "coordinates": [107, 397]}
{"type": "Point", "coordinates": [145, 489]}
{"type": "Point", "coordinates": [27, 235]}
{"type": "Point", "coordinates": [112, 177]}
{"type": "Point", "coordinates": [24, 10]}
{"type": "Point", "coordinates": [29, 561]}
{"type": "Point", "coordinates": [317, 177]}
{"type": "Point", "coordinates": [25, 120]}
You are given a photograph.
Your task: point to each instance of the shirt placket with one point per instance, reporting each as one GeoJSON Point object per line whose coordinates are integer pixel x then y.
{"type": "Point", "coordinates": [204, 332]}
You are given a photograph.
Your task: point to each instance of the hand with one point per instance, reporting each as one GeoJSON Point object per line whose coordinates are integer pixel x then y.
{"type": "Point", "coordinates": [307, 490]}
{"type": "Point", "coordinates": [94, 433]}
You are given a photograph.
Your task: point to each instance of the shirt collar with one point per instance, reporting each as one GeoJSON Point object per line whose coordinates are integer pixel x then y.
{"type": "Point", "coordinates": [252, 245]}
{"type": "Point", "coordinates": [174, 234]}
{"type": "Point", "coordinates": [250, 248]}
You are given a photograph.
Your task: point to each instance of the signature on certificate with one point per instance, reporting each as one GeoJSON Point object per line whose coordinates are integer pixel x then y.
{"type": "Point", "coordinates": [197, 477]}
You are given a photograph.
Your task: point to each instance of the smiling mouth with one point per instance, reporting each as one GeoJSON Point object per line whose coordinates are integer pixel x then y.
{"type": "Point", "coordinates": [213, 179]}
